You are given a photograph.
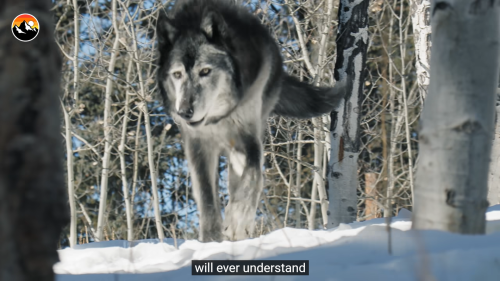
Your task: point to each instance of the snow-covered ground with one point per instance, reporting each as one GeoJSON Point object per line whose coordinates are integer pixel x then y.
{"type": "Point", "coordinates": [358, 251]}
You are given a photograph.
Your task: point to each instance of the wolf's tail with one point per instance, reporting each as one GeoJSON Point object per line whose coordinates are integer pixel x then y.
{"type": "Point", "coordinates": [301, 100]}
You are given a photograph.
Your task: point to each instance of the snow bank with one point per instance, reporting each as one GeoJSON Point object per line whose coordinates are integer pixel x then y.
{"type": "Point", "coordinates": [358, 251]}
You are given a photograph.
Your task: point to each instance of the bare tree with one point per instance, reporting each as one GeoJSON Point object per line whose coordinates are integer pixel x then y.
{"type": "Point", "coordinates": [457, 119]}
{"type": "Point", "coordinates": [68, 112]}
{"type": "Point", "coordinates": [107, 124]}
{"type": "Point", "coordinates": [145, 112]}
{"type": "Point", "coordinates": [33, 201]}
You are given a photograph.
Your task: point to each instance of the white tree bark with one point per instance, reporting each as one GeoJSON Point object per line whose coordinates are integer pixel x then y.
{"type": "Point", "coordinates": [70, 176]}
{"type": "Point", "coordinates": [76, 30]}
{"type": "Point", "coordinates": [152, 171]}
{"type": "Point", "coordinates": [352, 43]}
{"type": "Point", "coordinates": [298, 178]}
{"type": "Point", "coordinates": [420, 17]}
{"type": "Point", "coordinates": [108, 126]}
{"type": "Point", "coordinates": [457, 119]}
{"type": "Point", "coordinates": [121, 150]}
{"type": "Point", "coordinates": [136, 160]}
{"type": "Point", "coordinates": [318, 182]}
{"type": "Point", "coordinates": [494, 177]}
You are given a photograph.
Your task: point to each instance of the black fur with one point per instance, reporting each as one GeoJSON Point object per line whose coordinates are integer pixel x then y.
{"type": "Point", "coordinates": [302, 100]}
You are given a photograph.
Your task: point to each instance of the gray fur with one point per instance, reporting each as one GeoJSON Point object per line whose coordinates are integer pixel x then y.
{"type": "Point", "coordinates": [221, 76]}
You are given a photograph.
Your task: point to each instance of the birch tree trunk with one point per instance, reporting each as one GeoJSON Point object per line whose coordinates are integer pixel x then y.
{"type": "Point", "coordinates": [352, 44]}
{"type": "Point", "coordinates": [147, 124]}
{"type": "Point", "coordinates": [457, 119]}
{"type": "Point", "coordinates": [76, 29]}
{"type": "Point", "coordinates": [121, 151]}
{"type": "Point", "coordinates": [33, 199]}
{"type": "Point", "coordinates": [420, 17]}
{"type": "Point", "coordinates": [297, 177]}
{"type": "Point", "coordinates": [69, 137]}
{"type": "Point", "coordinates": [319, 181]}
{"type": "Point", "coordinates": [70, 176]}
{"type": "Point", "coordinates": [108, 126]}
{"type": "Point", "coordinates": [494, 176]}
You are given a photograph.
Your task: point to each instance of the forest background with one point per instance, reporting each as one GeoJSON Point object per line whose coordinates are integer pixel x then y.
{"type": "Point", "coordinates": [122, 148]}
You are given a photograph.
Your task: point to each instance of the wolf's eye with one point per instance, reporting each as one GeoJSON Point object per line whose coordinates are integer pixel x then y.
{"type": "Point", "coordinates": [177, 75]}
{"type": "Point", "coordinates": [205, 71]}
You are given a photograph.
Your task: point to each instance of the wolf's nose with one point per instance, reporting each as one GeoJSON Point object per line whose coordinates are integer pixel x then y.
{"type": "Point", "coordinates": [186, 113]}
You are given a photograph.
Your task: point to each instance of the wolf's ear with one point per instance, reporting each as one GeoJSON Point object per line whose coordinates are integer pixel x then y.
{"type": "Point", "coordinates": [165, 31]}
{"type": "Point", "coordinates": [214, 25]}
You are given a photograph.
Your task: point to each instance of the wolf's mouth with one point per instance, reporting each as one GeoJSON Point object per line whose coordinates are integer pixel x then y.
{"type": "Point", "coordinates": [195, 124]}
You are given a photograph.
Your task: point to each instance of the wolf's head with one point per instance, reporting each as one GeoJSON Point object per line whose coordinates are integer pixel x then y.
{"type": "Point", "coordinates": [198, 77]}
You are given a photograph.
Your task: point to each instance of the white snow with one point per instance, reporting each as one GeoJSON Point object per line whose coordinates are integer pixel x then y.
{"type": "Point", "coordinates": [356, 251]}
{"type": "Point", "coordinates": [19, 30]}
{"type": "Point", "coordinates": [27, 27]}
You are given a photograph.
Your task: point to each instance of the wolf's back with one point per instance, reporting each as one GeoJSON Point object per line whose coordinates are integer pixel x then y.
{"type": "Point", "coordinates": [301, 100]}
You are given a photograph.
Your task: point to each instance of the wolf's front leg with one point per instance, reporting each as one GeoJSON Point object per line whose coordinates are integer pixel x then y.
{"type": "Point", "coordinates": [203, 160]}
{"type": "Point", "coordinates": [245, 188]}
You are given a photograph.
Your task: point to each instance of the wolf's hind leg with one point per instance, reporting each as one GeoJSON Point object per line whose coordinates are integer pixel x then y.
{"type": "Point", "coordinates": [203, 161]}
{"type": "Point", "coordinates": [245, 188]}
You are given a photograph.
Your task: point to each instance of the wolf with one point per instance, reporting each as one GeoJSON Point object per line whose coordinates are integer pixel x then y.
{"type": "Point", "coordinates": [221, 76]}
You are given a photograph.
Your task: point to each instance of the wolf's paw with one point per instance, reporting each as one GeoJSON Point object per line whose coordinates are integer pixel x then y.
{"type": "Point", "coordinates": [232, 233]}
{"type": "Point", "coordinates": [211, 231]}
{"type": "Point", "coordinates": [211, 237]}
{"type": "Point", "coordinates": [239, 222]}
